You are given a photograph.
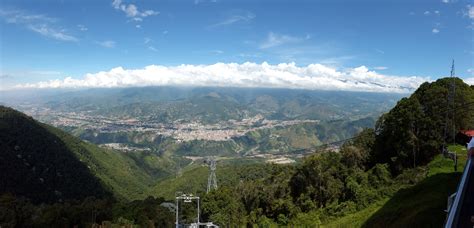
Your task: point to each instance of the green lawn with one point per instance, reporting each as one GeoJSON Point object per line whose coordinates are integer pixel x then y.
{"type": "Point", "coordinates": [357, 219]}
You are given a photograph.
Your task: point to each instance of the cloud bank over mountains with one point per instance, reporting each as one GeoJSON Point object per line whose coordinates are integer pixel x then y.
{"type": "Point", "coordinates": [469, 81]}
{"type": "Point", "coordinates": [284, 75]}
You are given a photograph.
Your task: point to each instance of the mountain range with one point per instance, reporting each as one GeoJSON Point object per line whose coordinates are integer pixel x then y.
{"type": "Point", "coordinates": [209, 104]}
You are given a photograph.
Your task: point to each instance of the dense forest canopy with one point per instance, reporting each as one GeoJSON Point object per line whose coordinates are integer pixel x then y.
{"type": "Point", "coordinates": [36, 163]}
{"type": "Point", "coordinates": [413, 131]}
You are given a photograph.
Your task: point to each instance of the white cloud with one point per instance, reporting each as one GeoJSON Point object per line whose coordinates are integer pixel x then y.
{"type": "Point", "coordinates": [380, 68]}
{"type": "Point", "coordinates": [380, 51]}
{"type": "Point", "coordinates": [82, 28]}
{"type": "Point", "coordinates": [284, 75]}
{"type": "Point", "coordinates": [21, 17]}
{"type": "Point", "coordinates": [470, 71]}
{"type": "Point", "coordinates": [274, 40]}
{"type": "Point", "coordinates": [151, 48]}
{"type": "Point", "coordinates": [435, 30]}
{"type": "Point", "coordinates": [47, 31]}
{"type": "Point", "coordinates": [242, 16]}
{"type": "Point", "coordinates": [202, 1]}
{"type": "Point", "coordinates": [45, 72]}
{"type": "Point", "coordinates": [217, 52]}
{"type": "Point", "coordinates": [38, 23]}
{"type": "Point", "coordinates": [470, 14]}
{"type": "Point", "coordinates": [246, 56]}
{"type": "Point", "coordinates": [470, 11]}
{"type": "Point", "coordinates": [148, 41]}
{"type": "Point", "coordinates": [107, 43]}
{"type": "Point", "coordinates": [469, 81]}
{"type": "Point", "coordinates": [427, 13]}
{"type": "Point", "coordinates": [436, 12]}
{"type": "Point", "coordinates": [132, 11]}
{"type": "Point", "coordinates": [448, 1]}
{"type": "Point", "coordinates": [336, 61]}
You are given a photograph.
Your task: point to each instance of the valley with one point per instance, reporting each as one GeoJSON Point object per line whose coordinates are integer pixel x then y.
{"type": "Point", "coordinates": [173, 123]}
{"type": "Point", "coordinates": [167, 130]}
{"type": "Point", "coordinates": [180, 130]}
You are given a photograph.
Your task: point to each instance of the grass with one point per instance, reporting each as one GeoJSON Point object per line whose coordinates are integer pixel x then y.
{"type": "Point", "coordinates": [422, 204]}
{"type": "Point", "coordinates": [357, 219]}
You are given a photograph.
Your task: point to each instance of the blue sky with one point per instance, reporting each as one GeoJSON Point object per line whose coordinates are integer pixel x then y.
{"type": "Point", "coordinates": [52, 40]}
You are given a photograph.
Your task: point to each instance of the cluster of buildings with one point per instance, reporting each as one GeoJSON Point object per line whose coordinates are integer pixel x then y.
{"type": "Point", "coordinates": [181, 130]}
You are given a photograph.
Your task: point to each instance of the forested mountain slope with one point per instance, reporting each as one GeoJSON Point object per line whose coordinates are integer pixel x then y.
{"type": "Point", "coordinates": [46, 164]}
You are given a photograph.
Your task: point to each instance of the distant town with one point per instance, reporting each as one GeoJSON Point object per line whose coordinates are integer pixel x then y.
{"type": "Point", "coordinates": [181, 130]}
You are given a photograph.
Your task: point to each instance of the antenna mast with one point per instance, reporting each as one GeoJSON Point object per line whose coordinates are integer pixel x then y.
{"type": "Point", "coordinates": [453, 89]}
{"type": "Point", "coordinates": [453, 101]}
{"type": "Point", "coordinates": [450, 117]}
{"type": "Point", "coordinates": [450, 107]}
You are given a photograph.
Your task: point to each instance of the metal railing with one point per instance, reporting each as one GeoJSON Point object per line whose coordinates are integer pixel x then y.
{"type": "Point", "coordinates": [454, 210]}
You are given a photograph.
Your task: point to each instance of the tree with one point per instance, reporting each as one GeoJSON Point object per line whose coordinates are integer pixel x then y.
{"type": "Point", "coordinates": [223, 207]}
{"type": "Point", "coordinates": [319, 178]}
{"type": "Point", "coordinates": [413, 131]}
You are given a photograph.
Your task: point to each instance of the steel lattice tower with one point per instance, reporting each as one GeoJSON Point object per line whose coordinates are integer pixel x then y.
{"type": "Point", "coordinates": [212, 180]}
{"type": "Point", "coordinates": [450, 118]}
{"type": "Point", "coordinates": [453, 95]}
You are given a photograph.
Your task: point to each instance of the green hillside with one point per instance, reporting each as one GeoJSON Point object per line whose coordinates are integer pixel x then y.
{"type": "Point", "coordinates": [421, 204]}
{"type": "Point", "coordinates": [48, 165]}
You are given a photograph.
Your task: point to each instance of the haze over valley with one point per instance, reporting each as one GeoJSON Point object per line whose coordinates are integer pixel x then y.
{"type": "Point", "coordinates": [197, 121]}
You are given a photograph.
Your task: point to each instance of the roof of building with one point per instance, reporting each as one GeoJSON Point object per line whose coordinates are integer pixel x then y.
{"type": "Point", "coordinates": [469, 133]}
